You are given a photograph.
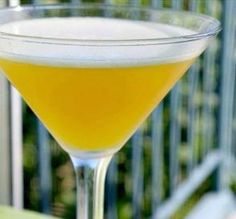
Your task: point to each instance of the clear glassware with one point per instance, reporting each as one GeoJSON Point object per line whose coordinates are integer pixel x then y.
{"type": "Point", "coordinates": [90, 163]}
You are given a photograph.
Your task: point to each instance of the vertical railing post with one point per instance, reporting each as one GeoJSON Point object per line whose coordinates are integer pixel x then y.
{"type": "Point", "coordinates": [5, 152]}
{"type": "Point", "coordinates": [193, 80]}
{"type": "Point", "coordinates": [175, 129]}
{"type": "Point", "coordinates": [157, 145]}
{"type": "Point", "coordinates": [111, 189]}
{"type": "Point", "coordinates": [44, 161]}
{"type": "Point", "coordinates": [111, 207]}
{"type": "Point", "coordinates": [137, 173]}
{"type": "Point", "coordinates": [137, 162]}
{"type": "Point", "coordinates": [226, 94]}
{"type": "Point", "coordinates": [208, 129]}
{"type": "Point", "coordinates": [157, 157]}
{"type": "Point", "coordinates": [16, 141]}
{"type": "Point", "coordinates": [44, 157]}
{"type": "Point", "coordinates": [17, 152]}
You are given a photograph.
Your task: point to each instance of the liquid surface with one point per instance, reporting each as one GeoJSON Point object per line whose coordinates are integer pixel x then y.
{"type": "Point", "coordinates": [88, 28]}
{"type": "Point", "coordinates": [89, 106]}
{"type": "Point", "coordinates": [57, 43]}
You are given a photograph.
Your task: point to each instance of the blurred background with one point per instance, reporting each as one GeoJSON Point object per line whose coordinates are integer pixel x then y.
{"type": "Point", "coordinates": [179, 164]}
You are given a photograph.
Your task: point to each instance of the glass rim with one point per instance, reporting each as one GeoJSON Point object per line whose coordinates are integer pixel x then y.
{"type": "Point", "coordinates": [213, 31]}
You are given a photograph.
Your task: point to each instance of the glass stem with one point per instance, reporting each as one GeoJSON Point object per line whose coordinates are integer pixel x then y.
{"type": "Point", "coordinates": [90, 180]}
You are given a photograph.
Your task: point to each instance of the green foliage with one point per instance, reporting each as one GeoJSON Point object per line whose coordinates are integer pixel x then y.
{"type": "Point", "coordinates": [25, 1]}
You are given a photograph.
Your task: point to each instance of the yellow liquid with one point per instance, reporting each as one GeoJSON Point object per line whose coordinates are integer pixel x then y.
{"type": "Point", "coordinates": [93, 108]}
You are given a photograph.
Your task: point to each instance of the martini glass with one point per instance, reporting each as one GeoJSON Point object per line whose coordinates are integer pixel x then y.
{"type": "Point", "coordinates": [92, 73]}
